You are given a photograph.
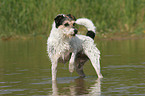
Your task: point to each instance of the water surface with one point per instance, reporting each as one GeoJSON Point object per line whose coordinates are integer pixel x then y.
{"type": "Point", "coordinates": [25, 70]}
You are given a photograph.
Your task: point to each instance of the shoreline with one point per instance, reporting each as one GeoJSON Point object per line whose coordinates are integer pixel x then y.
{"type": "Point", "coordinates": [115, 36]}
{"type": "Point", "coordinates": [119, 36]}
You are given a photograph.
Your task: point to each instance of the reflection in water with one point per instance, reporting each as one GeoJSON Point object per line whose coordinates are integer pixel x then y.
{"type": "Point", "coordinates": [25, 69]}
{"type": "Point", "coordinates": [79, 88]}
{"type": "Point", "coordinates": [96, 88]}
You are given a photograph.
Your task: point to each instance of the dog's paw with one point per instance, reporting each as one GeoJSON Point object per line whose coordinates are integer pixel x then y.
{"type": "Point", "coordinates": [71, 67]}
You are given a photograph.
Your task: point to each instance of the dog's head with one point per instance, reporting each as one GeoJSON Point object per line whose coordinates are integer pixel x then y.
{"type": "Point", "coordinates": [66, 23]}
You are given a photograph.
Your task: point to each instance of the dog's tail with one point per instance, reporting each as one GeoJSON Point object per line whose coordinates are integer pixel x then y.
{"type": "Point", "coordinates": [89, 25]}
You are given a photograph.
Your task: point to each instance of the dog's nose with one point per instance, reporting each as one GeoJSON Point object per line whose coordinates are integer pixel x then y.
{"type": "Point", "coordinates": [75, 31]}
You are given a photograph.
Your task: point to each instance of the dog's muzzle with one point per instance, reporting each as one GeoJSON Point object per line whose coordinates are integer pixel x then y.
{"type": "Point", "coordinates": [75, 32]}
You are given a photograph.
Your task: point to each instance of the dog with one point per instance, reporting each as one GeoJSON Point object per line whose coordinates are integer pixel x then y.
{"type": "Point", "coordinates": [65, 45]}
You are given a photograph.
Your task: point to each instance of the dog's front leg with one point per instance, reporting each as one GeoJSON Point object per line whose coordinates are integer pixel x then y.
{"type": "Point", "coordinates": [71, 62]}
{"type": "Point", "coordinates": [54, 69]}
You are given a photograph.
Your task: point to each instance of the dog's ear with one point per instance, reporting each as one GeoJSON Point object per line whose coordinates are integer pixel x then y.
{"type": "Point", "coordinates": [72, 17]}
{"type": "Point", "coordinates": [58, 19]}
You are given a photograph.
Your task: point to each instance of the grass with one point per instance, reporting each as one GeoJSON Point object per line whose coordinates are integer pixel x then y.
{"type": "Point", "coordinates": [34, 17]}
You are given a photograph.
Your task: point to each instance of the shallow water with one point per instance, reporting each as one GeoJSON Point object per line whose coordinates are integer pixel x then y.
{"type": "Point", "coordinates": [25, 70]}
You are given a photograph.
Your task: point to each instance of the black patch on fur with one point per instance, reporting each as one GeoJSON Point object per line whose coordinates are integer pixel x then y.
{"type": "Point", "coordinates": [91, 34]}
{"type": "Point", "coordinates": [76, 31]}
{"type": "Point", "coordinates": [59, 19]}
{"type": "Point", "coordinates": [72, 17]}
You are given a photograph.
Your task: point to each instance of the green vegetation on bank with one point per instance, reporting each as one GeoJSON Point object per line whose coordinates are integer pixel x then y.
{"type": "Point", "coordinates": [34, 17]}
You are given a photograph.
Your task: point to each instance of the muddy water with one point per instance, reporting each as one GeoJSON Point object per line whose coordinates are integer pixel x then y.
{"type": "Point", "coordinates": [25, 70]}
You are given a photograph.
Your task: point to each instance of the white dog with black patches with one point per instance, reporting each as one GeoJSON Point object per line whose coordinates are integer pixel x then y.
{"type": "Point", "coordinates": [65, 45]}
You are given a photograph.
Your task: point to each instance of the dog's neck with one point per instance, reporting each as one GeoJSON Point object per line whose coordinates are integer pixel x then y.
{"type": "Point", "coordinates": [61, 43]}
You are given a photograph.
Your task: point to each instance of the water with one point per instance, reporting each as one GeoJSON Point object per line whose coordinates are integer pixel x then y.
{"type": "Point", "coordinates": [25, 70]}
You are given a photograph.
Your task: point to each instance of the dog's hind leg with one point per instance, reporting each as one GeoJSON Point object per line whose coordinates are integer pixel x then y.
{"type": "Point", "coordinates": [94, 55]}
{"type": "Point", "coordinates": [80, 61]}
{"type": "Point", "coordinates": [79, 70]}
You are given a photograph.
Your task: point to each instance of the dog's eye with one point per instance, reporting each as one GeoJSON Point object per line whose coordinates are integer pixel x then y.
{"type": "Point", "coordinates": [74, 24]}
{"type": "Point", "coordinates": [66, 24]}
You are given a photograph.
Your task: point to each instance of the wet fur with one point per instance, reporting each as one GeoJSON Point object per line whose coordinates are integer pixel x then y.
{"type": "Point", "coordinates": [65, 45]}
